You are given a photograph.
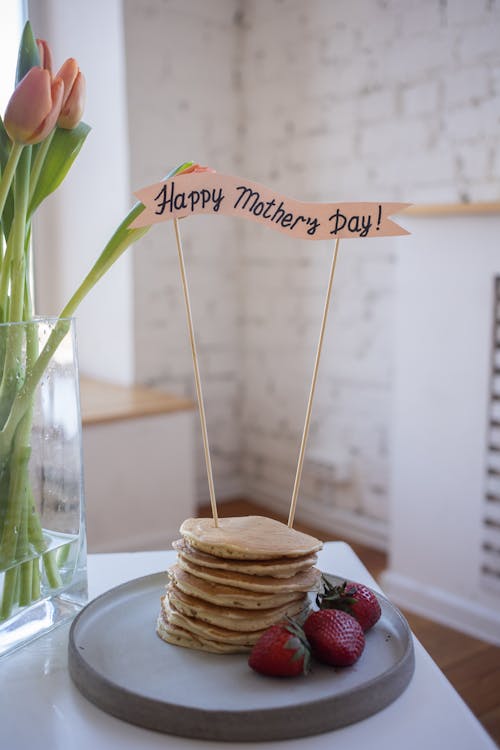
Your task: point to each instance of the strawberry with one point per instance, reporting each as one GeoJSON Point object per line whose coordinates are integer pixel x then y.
{"type": "Point", "coordinates": [335, 637]}
{"type": "Point", "coordinates": [354, 598]}
{"type": "Point", "coordinates": [281, 651]}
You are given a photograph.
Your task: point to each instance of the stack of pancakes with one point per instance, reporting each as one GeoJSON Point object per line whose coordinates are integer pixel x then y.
{"type": "Point", "coordinates": [234, 580]}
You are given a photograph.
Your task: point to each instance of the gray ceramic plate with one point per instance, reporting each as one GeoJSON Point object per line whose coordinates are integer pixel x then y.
{"type": "Point", "coordinates": [119, 663]}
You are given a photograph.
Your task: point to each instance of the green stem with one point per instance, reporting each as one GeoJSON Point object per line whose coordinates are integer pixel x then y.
{"type": "Point", "coordinates": [26, 575]}
{"type": "Point", "coordinates": [37, 540]}
{"type": "Point", "coordinates": [35, 530]}
{"type": "Point", "coordinates": [14, 543]}
{"type": "Point", "coordinates": [18, 487]}
{"type": "Point", "coordinates": [26, 582]}
{"type": "Point", "coordinates": [8, 175]}
{"type": "Point", "coordinates": [9, 383]}
{"type": "Point", "coordinates": [23, 398]}
{"type": "Point", "coordinates": [63, 554]}
{"type": "Point", "coordinates": [113, 250]}
{"type": "Point", "coordinates": [9, 592]}
{"type": "Point", "coordinates": [35, 582]}
{"type": "Point", "coordinates": [5, 276]}
{"type": "Point", "coordinates": [34, 526]}
{"type": "Point", "coordinates": [51, 570]}
{"type": "Point", "coordinates": [119, 242]}
{"type": "Point", "coordinates": [4, 490]}
{"type": "Point", "coordinates": [2, 249]}
{"type": "Point", "coordinates": [38, 163]}
{"type": "Point", "coordinates": [28, 297]}
{"type": "Point", "coordinates": [109, 255]}
{"type": "Point", "coordinates": [2, 239]}
{"type": "Point", "coordinates": [21, 194]}
{"type": "Point", "coordinates": [18, 585]}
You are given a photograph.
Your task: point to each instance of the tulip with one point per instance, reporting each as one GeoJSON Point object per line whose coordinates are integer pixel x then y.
{"type": "Point", "coordinates": [34, 107]}
{"type": "Point", "coordinates": [74, 94]}
{"type": "Point", "coordinates": [45, 55]}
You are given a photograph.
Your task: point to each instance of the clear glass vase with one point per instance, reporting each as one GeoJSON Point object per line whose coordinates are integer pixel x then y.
{"type": "Point", "coordinates": [43, 576]}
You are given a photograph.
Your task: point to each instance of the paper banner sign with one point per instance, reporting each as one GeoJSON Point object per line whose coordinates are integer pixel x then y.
{"type": "Point", "coordinates": [214, 193]}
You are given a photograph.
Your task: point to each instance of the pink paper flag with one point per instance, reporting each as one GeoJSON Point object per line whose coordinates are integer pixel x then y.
{"type": "Point", "coordinates": [214, 193]}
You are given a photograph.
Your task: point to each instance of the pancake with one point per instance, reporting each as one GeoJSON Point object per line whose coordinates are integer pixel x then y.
{"type": "Point", "coordinates": [247, 538]}
{"type": "Point", "coordinates": [179, 637]}
{"type": "Point", "coordinates": [307, 580]}
{"type": "Point", "coordinates": [207, 631]}
{"type": "Point", "coordinates": [278, 568]}
{"type": "Point", "coordinates": [228, 596]}
{"type": "Point", "coordinates": [233, 581]}
{"type": "Point", "coordinates": [233, 619]}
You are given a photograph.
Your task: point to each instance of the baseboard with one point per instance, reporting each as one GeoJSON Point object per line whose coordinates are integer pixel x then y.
{"type": "Point", "coordinates": [448, 609]}
{"type": "Point", "coordinates": [335, 521]}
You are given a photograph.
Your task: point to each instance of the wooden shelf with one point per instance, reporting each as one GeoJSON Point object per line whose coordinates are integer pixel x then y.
{"type": "Point", "coordinates": [107, 402]}
{"type": "Point", "coordinates": [450, 209]}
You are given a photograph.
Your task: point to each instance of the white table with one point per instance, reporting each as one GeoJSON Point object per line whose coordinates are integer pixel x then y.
{"type": "Point", "coordinates": [40, 707]}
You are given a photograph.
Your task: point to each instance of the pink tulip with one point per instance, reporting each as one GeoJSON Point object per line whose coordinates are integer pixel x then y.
{"type": "Point", "coordinates": [74, 94]}
{"type": "Point", "coordinates": [45, 55]}
{"type": "Point", "coordinates": [34, 107]}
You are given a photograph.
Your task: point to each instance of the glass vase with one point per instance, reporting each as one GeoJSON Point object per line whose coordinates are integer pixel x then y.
{"type": "Point", "coordinates": [43, 576]}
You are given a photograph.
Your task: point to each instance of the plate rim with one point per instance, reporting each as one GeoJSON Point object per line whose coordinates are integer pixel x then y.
{"type": "Point", "coordinates": [303, 719]}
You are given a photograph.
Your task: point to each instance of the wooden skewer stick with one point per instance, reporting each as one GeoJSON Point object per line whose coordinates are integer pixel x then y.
{"type": "Point", "coordinates": [305, 432]}
{"type": "Point", "coordinates": [197, 379]}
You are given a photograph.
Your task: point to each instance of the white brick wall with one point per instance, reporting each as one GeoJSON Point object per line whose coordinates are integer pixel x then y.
{"type": "Point", "coordinates": [363, 100]}
{"type": "Point", "coordinates": [321, 100]}
{"type": "Point", "coordinates": [183, 99]}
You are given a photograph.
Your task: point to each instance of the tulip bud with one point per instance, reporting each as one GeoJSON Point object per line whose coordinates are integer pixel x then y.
{"type": "Point", "coordinates": [45, 55]}
{"type": "Point", "coordinates": [34, 107]}
{"type": "Point", "coordinates": [74, 94]}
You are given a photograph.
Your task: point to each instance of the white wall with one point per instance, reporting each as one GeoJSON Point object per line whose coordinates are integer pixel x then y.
{"type": "Point", "coordinates": [76, 222]}
{"type": "Point", "coordinates": [183, 90]}
{"type": "Point", "coordinates": [321, 100]}
{"type": "Point", "coordinates": [440, 412]}
{"type": "Point", "coordinates": [12, 25]}
{"type": "Point", "coordinates": [361, 100]}
{"type": "Point", "coordinates": [378, 100]}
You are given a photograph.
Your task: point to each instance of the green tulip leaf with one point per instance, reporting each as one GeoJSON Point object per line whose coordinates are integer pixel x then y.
{"type": "Point", "coordinates": [64, 148]}
{"type": "Point", "coordinates": [8, 215]}
{"type": "Point", "coordinates": [28, 55]}
{"type": "Point", "coordinates": [122, 238]}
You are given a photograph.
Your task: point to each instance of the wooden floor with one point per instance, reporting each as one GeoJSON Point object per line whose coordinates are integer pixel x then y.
{"type": "Point", "coordinates": [472, 666]}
